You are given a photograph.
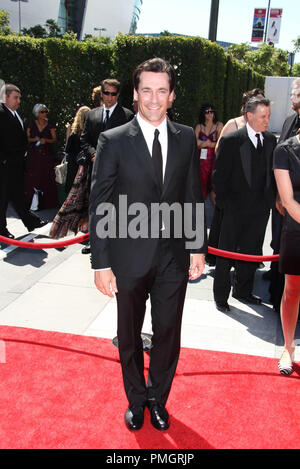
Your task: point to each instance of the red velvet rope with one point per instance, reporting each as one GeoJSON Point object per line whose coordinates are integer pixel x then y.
{"type": "Point", "coordinates": [53, 244]}
{"type": "Point", "coordinates": [79, 239]}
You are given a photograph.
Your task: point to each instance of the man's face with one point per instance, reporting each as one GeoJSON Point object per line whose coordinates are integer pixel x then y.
{"type": "Point", "coordinates": [295, 98]}
{"type": "Point", "coordinates": [109, 100]}
{"type": "Point", "coordinates": [259, 119]}
{"type": "Point", "coordinates": [13, 100]}
{"type": "Point", "coordinates": [153, 96]}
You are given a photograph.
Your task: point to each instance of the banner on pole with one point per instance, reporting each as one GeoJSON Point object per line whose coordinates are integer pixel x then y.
{"type": "Point", "coordinates": [258, 24]}
{"type": "Point", "coordinates": [274, 25]}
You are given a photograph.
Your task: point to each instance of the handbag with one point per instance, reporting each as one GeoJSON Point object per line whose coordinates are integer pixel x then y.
{"type": "Point", "coordinates": [61, 171]}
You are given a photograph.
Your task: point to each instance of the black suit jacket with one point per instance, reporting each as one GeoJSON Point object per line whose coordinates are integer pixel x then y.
{"type": "Point", "coordinates": [13, 139]}
{"type": "Point", "coordinates": [94, 126]}
{"type": "Point", "coordinates": [234, 193]}
{"type": "Point", "coordinates": [123, 166]}
{"type": "Point", "coordinates": [232, 171]}
{"type": "Point", "coordinates": [287, 127]}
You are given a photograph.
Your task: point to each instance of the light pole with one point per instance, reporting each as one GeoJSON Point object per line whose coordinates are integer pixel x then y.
{"type": "Point", "coordinates": [213, 22]}
{"type": "Point", "coordinates": [267, 22]}
{"type": "Point", "coordinates": [99, 29]}
{"type": "Point", "coordinates": [25, 1]}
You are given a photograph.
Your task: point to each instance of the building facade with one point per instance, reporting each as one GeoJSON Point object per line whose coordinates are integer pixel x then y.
{"type": "Point", "coordinates": [95, 17]}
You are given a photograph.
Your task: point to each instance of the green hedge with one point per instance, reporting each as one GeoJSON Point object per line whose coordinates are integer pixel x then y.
{"type": "Point", "coordinates": [62, 73]}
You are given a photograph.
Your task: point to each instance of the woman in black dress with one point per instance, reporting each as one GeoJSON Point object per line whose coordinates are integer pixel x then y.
{"type": "Point", "coordinates": [287, 174]}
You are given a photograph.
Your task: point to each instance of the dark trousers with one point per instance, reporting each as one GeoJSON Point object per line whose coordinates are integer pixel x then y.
{"type": "Point", "coordinates": [12, 190]}
{"type": "Point", "coordinates": [166, 285]}
{"type": "Point", "coordinates": [244, 233]}
{"type": "Point", "coordinates": [243, 278]}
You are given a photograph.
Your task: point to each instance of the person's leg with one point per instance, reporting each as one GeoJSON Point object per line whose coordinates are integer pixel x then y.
{"type": "Point", "coordinates": [290, 309]}
{"type": "Point", "coordinates": [222, 281]}
{"type": "Point", "coordinates": [3, 196]}
{"type": "Point", "coordinates": [167, 300]}
{"type": "Point", "coordinates": [131, 300]}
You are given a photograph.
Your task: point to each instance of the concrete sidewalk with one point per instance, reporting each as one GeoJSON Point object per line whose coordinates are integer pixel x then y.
{"type": "Point", "coordinates": [53, 290]}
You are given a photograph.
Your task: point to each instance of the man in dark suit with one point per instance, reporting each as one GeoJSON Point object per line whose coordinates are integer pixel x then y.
{"type": "Point", "coordinates": [149, 161]}
{"type": "Point", "coordinates": [245, 189]}
{"type": "Point", "coordinates": [13, 146]}
{"type": "Point", "coordinates": [107, 116]}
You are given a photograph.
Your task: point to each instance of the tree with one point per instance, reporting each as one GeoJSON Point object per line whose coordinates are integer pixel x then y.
{"type": "Point", "coordinates": [266, 60]}
{"type": "Point", "coordinates": [239, 51]}
{"type": "Point", "coordinates": [4, 23]}
{"type": "Point", "coordinates": [53, 28]}
{"type": "Point", "coordinates": [35, 31]}
{"type": "Point", "coordinates": [296, 70]}
{"type": "Point", "coordinates": [297, 44]}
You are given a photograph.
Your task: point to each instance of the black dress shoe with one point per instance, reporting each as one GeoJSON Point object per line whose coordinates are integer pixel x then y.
{"type": "Point", "coordinates": [134, 417]}
{"type": "Point", "coordinates": [38, 224]}
{"type": "Point", "coordinates": [159, 415]}
{"type": "Point", "coordinates": [252, 299]}
{"type": "Point", "coordinates": [6, 233]}
{"type": "Point", "coordinates": [222, 306]}
{"type": "Point", "coordinates": [86, 249]}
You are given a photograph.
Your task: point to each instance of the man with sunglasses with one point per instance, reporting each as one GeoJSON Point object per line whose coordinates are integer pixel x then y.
{"type": "Point", "coordinates": [102, 118]}
{"type": "Point", "coordinates": [13, 147]}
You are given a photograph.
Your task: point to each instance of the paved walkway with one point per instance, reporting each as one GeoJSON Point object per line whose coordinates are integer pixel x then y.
{"type": "Point", "coordinates": [53, 290]}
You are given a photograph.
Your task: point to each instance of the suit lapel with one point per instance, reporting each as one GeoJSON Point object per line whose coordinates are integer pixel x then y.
{"type": "Point", "coordinates": [268, 153]}
{"type": "Point", "coordinates": [245, 152]}
{"type": "Point", "coordinates": [140, 148]}
{"type": "Point", "coordinates": [173, 135]}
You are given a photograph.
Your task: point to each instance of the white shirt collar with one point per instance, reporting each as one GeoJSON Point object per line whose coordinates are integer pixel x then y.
{"type": "Point", "coordinates": [110, 109]}
{"type": "Point", "coordinates": [252, 135]}
{"type": "Point", "coordinates": [149, 128]}
{"type": "Point", "coordinates": [148, 132]}
{"type": "Point", "coordinates": [14, 113]}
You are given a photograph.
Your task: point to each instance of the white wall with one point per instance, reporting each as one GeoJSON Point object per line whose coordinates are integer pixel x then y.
{"type": "Point", "coordinates": [114, 16]}
{"type": "Point", "coordinates": [278, 90]}
{"type": "Point", "coordinates": [32, 13]}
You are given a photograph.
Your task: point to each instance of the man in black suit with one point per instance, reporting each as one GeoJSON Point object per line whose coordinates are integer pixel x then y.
{"type": "Point", "coordinates": [13, 146]}
{"type": "Point", "coordinates": [107, 116]}
{"type": "Point", "coordinates": [245, 189]}
{"type": "Point", "coordinates": [148, 162]}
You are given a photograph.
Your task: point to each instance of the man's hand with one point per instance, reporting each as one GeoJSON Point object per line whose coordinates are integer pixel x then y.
{"type": "Point", "coordinates": [197, 266]}
{"type": "Point", "coordinates": [106, 282]}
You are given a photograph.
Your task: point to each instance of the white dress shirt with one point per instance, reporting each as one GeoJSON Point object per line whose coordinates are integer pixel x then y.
{"type": "Point", "coordinates": [148, 132]}
{"type": "Point", "coordinates": [252, 135]}
{"type": "Point", "coordinates": [111, 110]}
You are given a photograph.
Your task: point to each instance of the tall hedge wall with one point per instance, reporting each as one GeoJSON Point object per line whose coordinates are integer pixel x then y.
{"type": "Point", "coordinates": [62, 73]}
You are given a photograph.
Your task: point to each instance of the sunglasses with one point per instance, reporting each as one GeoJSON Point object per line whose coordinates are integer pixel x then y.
{"type": "Point", "coordinates": [43, 112]}
{"type": "Point", "coordinates": [110, 93]}
{"type": "Point", "coordinates": [209, 111]}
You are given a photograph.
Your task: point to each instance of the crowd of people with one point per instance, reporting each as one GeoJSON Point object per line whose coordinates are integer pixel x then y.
{"type": "Point", "coordinates": [240, 166]}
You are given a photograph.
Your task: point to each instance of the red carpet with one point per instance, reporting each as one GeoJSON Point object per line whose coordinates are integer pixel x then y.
{"type": "Point", "coordinates": [65, 391]}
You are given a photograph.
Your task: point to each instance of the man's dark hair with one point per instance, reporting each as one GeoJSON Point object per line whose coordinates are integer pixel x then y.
{"type": "Point", "coordinates": [250, 94]}
{"type": "Point", "coordinates": [252, 104]}
{"type": "Point", "coordinates": [156, 65]}
{"type": "Point", "coordinates": [111, 82]}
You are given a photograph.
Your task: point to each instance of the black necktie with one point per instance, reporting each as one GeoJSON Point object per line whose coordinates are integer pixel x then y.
{"type": "Point", "coordinates": [106, 119]}
{"type": "Point", "coordinates": [157, 158]}
{"type": "Point", "coordinates": [259, 145]}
